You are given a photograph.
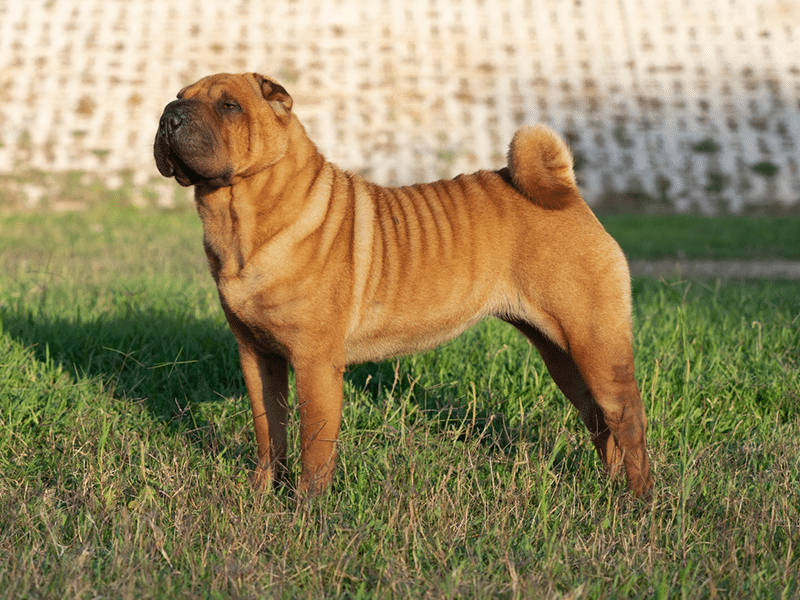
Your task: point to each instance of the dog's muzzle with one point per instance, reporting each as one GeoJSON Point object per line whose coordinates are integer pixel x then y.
{"type": "Point", "coordinates": [186, 147]}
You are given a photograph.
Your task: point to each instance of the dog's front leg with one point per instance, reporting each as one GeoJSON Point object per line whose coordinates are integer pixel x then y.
{"type": "Point", "coordinates": [319, 396]}
{"type": "Point", "coordinates": [267, 380]}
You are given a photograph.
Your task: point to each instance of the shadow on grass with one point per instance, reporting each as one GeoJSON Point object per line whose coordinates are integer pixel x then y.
{"type": "Point", "coordinates": [170, 364]}
{"type": "Point", "coordinates": [156, 362]}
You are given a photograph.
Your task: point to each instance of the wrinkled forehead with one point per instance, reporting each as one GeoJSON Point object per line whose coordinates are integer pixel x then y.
{"type": "Point", "coordinates": [220, 86]}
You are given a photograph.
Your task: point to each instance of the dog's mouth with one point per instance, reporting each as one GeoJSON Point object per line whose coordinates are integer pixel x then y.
{"type": "Point", "coordinates": [170, 165]}
{"type": "Point", "coordinates": [169, 154]}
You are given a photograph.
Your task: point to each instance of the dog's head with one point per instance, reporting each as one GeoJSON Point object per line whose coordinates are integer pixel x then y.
{"type": "Point", "coordinates": [221, 128]}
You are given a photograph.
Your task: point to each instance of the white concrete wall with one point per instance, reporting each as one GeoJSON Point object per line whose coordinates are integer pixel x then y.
{"type": "Point", "coordinates": [673, 99]}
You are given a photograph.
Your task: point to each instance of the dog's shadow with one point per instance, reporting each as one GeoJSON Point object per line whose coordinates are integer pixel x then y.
{"type": "Point", "coordinates": [170, 364]}
{"type": "Point", "coordinates": [163, 363]}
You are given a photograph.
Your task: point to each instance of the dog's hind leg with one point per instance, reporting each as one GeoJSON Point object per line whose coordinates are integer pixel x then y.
{"type": "Point", "coordinates": [601, 386]}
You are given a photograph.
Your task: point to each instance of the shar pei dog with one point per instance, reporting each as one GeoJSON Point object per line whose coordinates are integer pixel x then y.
{"type": "Point", "coordinates": [318, 268]}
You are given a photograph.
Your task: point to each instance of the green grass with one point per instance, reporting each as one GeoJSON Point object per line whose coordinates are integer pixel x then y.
{"type": "Point", "coordinates": [690, 236]}
{"type": "Point", "coordinates": [126, 443]}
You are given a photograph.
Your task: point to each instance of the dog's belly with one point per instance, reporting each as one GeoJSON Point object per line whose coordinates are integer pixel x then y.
{"type": "Point", "coordinates": [406, 336]}
{"type": "Point", "coordinates": [416, 322]}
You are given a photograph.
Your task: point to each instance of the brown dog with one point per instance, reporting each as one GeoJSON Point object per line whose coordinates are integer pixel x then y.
{"type": "Point", "coordinates": [318, 268]}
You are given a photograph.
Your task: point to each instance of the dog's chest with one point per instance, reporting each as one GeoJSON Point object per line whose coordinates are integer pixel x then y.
{"type": "Point", "coordinates": [273, 314]}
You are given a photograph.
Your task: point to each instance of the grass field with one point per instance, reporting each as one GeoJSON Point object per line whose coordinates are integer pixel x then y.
{"type": "Point", "coordinates": [126, 443]}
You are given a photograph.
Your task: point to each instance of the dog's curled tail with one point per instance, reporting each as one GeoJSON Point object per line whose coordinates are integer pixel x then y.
{"type": "Point", "coordinates": [540, 165]}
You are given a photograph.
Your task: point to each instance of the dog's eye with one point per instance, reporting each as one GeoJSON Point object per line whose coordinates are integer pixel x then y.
{"type": "Point", "coordinates": [231, 106]}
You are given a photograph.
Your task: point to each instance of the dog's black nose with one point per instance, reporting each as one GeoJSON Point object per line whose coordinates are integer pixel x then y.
{"type": "Point", "coordinates": [170, 122]}
{"type": "Point", "coordinates": [172, 118]}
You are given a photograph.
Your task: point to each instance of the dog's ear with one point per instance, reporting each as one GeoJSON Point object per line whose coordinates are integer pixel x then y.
{"type": "Point", "coordinates": [274, 93]}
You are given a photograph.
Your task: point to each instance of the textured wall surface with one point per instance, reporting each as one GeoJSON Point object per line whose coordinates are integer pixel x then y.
{"type": "Point", "coordinates": [690, 104]}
